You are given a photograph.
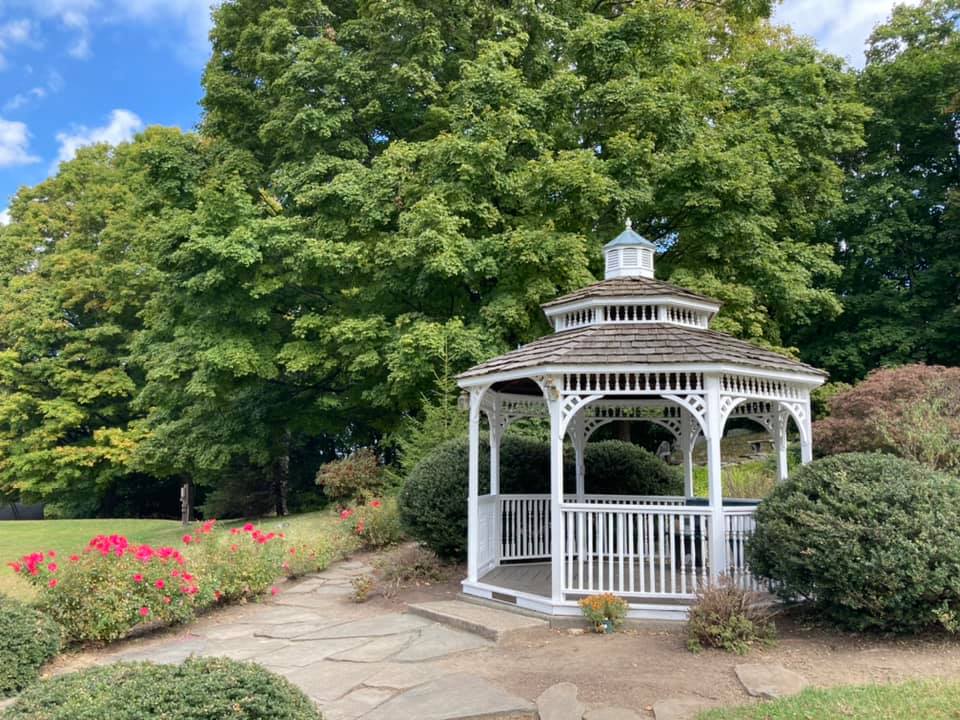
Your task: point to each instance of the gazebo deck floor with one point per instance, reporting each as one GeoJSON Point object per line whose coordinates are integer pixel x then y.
{"type": "Point", "coordinates": [534, 578]}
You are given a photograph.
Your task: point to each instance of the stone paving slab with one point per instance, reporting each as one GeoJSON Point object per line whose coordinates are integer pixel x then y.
{"type": "Point", "coordinates": [289, 630]}
{"type": "Point", "coordinates": [296, 655]}
{"type": "Point", "coordinates": [377, 649]}
{"type": "Point", "coordinates": [679, 708]}
{"type": "Point", "coordinates": [357, 703]}
{"type": "Point", "coordinates": [455, 697]}
{"type": "Point", "coordinates": [611, 713]}
{"type": "Point", "coordinates": [559, 702]}
{"type": "Point", "coordinates": [437, 641]}
{"type": "Point", "coordinates": [402, 676]}
{"type": "Point", "coordinates": [378, 625]}
{"type": "Point", "coordinates": [242, 648]}
{"type": "Point", "coordinates": [168, 653]}
{"type": "Point", "coordinates": [487, 622]}
{"type": "Point", "coordinates": [769, 680]}
{"type": "Point", "coordinates": [326, 680]}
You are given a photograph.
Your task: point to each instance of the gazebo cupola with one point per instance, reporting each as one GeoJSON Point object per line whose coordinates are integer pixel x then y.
{"type": "Point", "coordinates": [629, 255]}
{"type": "Point", "coordinates": [630, 294]}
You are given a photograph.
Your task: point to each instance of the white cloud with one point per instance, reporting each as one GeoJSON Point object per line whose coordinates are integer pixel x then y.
{"type": "Point", "coordinates": [122, 126]}
{"type": "Point", "coordinates": [54, 84]}
{"type": "Point", "coordinates": [13, 32]}
{"type": "Point", "coordinates": [5, 216]}
{"type": "Point", "coordinates": [839, 26]}
{"type": "Point", "coordinates": [15, 144]}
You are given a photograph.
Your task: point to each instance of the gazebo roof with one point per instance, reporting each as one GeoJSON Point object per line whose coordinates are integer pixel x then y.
{"type": "Point", "coordinates": [639, 287]}
{"type": "Point", "coordinates": [638, 344]}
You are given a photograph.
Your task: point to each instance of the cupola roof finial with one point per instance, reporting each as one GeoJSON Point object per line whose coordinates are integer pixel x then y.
{"type": "Point", "coordinates": [629, 255]}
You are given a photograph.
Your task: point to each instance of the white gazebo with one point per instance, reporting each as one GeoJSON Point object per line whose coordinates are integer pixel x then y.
{"type": "Point", "coordinates": [629, 348]}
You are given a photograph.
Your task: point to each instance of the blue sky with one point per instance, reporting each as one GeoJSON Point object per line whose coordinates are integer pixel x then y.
{"type": "Point", "coordinates": [73, 72]}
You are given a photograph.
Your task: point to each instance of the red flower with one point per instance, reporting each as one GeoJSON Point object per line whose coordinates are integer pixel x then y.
{"type": "Point", "coordinates": [175, 573]}
{"type": "Point", "coordinates": [15, 566]}
{"type": "Point", "coordinates": [187, 539]}
{"type": "Point", "coordinates": [233, 548]}
{"type": "Point", "coordinates": [375, 503]}
{"type": "Point", "coordinates": [52, 553]}
{"type": "Point", "coordinates": [138, 578]}
{"type": "Point", "coordinates": [52, 567]}
{"type": "Point", "coordinates": [166, 599]}
{"type": "Point", "coordinates": [53, 583]}
{"type": "Point", "coordinates": [345, 514]}
{"type": "Point", "coordinates": [274, 591]}
{"type": "Point", "coordinates": [74, 558]}
{"type": "Point", "coordinates": [217, 595]}
{"type": "Point", "coordinates": [248, 527]}
{"type": "Point", "coordinates": [234, 531]}
{"type": "Point", "coordinates": [207, 527]}
{"type": "Point", "coordinates": [159, 584]}
{"type": "Point", "coordinates": [144, 611]}
{"type": "Point", "coordinates": [293, 551]}
{"type": "Point", "coordinates": [360, 527]}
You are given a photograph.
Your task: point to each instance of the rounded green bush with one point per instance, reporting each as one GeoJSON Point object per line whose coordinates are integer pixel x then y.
{"type": "Point", "coordinates": [198, 689]}
{"type": "Point", "coordinates": [28, 639]}
{"type": "Point", "coordinates": [433, 500]}
{"type": "Point", "coordinates": [870, 538]}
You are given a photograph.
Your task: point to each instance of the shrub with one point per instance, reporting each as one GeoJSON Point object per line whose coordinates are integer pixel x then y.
{"type": "Point", "coordinates": [243, 492]}
{"type": "Point", "coordinates": [409, 565]}
{"type": "Point", "coordinates": [870, 538]}
{"type": "Point", "coordinates": [729, 618]}
{"type": "Point", "coordinates": [606, 611]}
{"type": "Point", "coordinates": [309, 557]}
{"type": "Point", "coordinates": [238, 564]}
{"type": "Point", "coordinates": [362, 587]}
{"type": "Point", "coordinates": [28, 639]}
{"type": "Point", "coordinates": [358, 476]}
{"type": "Point", "coordinates": [111, 587]}
{"type": "Point", "coordinates": [911, 411]}
{"type": "Point", "coordinates": [197, 689]}
{"type": "Point", "coordinates": [375, 524]}
{"type": "Point", "coordinates": [433, 500]}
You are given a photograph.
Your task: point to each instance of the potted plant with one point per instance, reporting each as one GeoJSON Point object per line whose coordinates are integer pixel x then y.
{"type": "Point", "coordinates": [605, 611]}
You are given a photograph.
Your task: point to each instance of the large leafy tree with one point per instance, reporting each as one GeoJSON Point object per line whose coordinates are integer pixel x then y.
{"type": "Point", "coordinates": [896, 236]}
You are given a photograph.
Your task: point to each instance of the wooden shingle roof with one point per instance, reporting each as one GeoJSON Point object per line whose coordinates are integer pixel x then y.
{"type": "Point", "coordinates": [638, 344]}
{"type": "Point", "coordinates": [629, 287]}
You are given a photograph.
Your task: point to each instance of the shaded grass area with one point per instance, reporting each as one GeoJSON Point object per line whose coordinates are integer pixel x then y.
{"type": "Point", "coordinates": [930, 700]}
{"type": "Point", "coordinates": [21, 537]}
{"type": "Point", "coordinates": [753, 479]}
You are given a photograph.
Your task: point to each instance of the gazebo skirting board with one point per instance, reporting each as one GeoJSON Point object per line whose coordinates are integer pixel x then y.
{"type": "Point", "coordinates": [653, 551]}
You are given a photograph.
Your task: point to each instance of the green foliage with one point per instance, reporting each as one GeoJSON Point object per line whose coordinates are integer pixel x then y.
{"type": "Point", "coordinates": [869, 538]}
{"type": "Point", "coordinates": [239, 564]}
{"type": "Point", "coordinates": [604, 609]}
{"type": "Point", "coordinates": [359, 476]}
{"type": "Point", "coordinates": [375, 524]}
{"type": "Point", "coordinates": [239, 494]}
{"type": "Point", "coordinates": [433, 500]}
{"type": "Point", "coordinates": [911, 411]}
{"type": "Point", "coordinates": [751, 480]}
{"type": "Point", "coordinates": [197, 689]}
{"type": "Point", "coordinates": [729, 618]}
{"type": "Point", "coordinates": [896, 234]}
{"type": "Point", "coordinates": [821, 397]}
{"type": "Point", "coordinates": [28, 639]}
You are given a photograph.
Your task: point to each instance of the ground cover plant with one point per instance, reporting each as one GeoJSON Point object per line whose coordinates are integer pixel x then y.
{"type": "Point", "coordinates": [28, 639]}
{"type": "Point", "coordinates": [869, 538]}
{"type": "Point", "coordinates": [930, 700]}
{"type": "Point", "coordinates": [197, 689]}
{"type": "Point", "coordinates": [606, 612]}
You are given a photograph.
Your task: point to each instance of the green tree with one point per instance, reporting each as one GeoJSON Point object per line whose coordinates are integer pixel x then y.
{"type": "Point", "coordinates": [896, 236]}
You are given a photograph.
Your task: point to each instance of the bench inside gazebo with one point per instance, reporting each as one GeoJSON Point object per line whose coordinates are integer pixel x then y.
{"type": "Point", "coordinates": [629, 348]}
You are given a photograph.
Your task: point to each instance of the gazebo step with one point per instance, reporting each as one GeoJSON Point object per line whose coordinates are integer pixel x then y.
{"type": "Point", "coordinates": [484, 621]}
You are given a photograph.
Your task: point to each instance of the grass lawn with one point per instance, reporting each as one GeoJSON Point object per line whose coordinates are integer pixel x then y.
{"type": "Point", "coordinates": [929, 700]}
{"type": "Point", "coordinates": [20, 537]}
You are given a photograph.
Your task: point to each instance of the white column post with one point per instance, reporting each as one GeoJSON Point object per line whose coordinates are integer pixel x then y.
{"type": "Point", "coordinates": [718, 541]}
{"type": "Point", "coordinates": [473, 491]}
{"type": "Point", "coordinates": [780, 419]}
{"type": "Point", "coordinates": [806, 432]}
{"type": "Point", "coordinates": [555, 404]}
{"type": "Point", "coordinates": [686, 450]}
{"type": "Point", "coordinates": [579, 436]}
{"type": "Point", "coordinates": [495, 419]}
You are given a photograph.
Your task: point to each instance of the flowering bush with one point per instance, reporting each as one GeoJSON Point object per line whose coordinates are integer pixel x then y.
{"type": "Point", "coordinates": [111, 587]}
{"type": "Point", "coordinates": [606, 611]}
{"type": "Point", "coordinates": [376, 524]}
{"type": "Point", "coordinates": [359, 477]}
{"type": "Point", "coordinates": [237, 564]}
{"type": "Point", "coordinates": [306, 557]}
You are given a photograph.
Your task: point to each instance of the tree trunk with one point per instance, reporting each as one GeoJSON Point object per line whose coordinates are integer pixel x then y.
{"type": "Point", "coordinates": [281, 476]}
{"type": "Point", "coordinates": [186, 502]}
{"type": "Point", "coordinates": [624, 431]}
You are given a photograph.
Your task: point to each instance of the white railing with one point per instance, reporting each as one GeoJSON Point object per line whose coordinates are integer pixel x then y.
{"type": "Point", "coordinates": [635, 551]}
{"type": "Point", "coordinates": [487, 532]}
{"type": "Point", "coordinates": [525, 520]}
{"type": "Point", "coordinates": [739, 524]}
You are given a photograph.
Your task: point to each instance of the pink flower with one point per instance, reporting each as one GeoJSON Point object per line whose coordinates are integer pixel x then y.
{"type": "Point", "coordinates": [233, 548]}
{"type": "Point", "coordinates": [52, 567]}
{"type": "Point", "coordinates": [375, 503]}
{"type": "Point", "coordinates": [53, 583]}
{"type": "Point", "coordinates": [74, 558]}
{"type": "Point", "coordinates": [138, 578]}
{"type": "Point", "coordinates": [52, 553]}
{"type": "Point", "coordinates": [248, 527]}
{"type": "Point", "coordinates": [274, 591]}
{"type": "Point", "coordinates": [15, 566]}
{"type": "Point", "coordinates": [345, 514]}
{"type": "Point", "coordinates": [187, 539]}
{"type": "Point", "coordinates": [144, 611]}
{"type": "Point", "coordinates": [159, 584]}
{"type": "Point", "coordinates": [234, 531]}
{"type": "Point", "coordinates": [167, 599]}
